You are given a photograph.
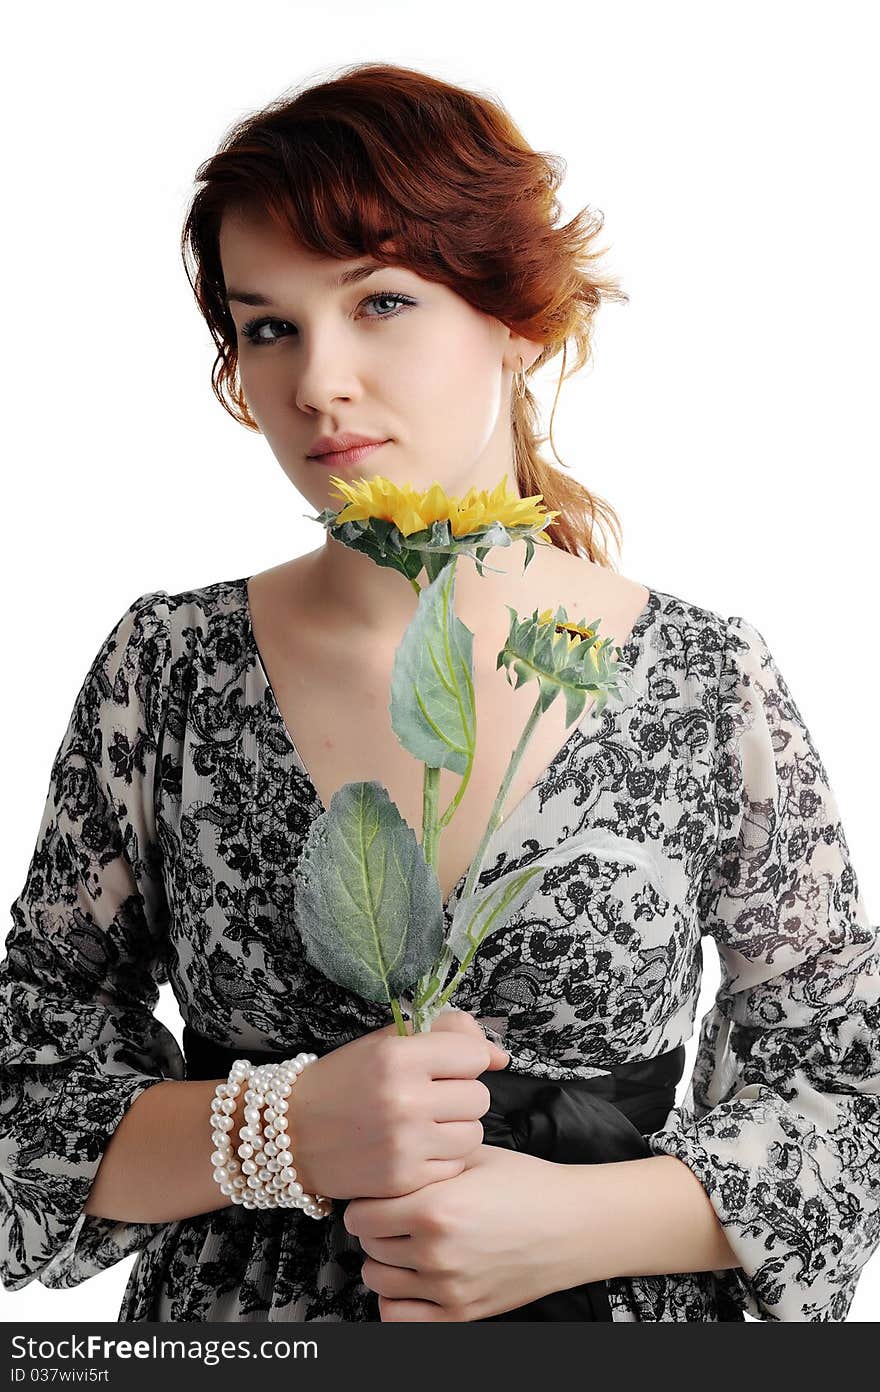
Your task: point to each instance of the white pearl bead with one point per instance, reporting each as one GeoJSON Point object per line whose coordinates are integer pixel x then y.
{"type": "Point", "coordinates": [266, 1177]}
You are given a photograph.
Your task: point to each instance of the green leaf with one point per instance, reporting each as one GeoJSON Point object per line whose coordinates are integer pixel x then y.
{"type": "Point", "coordinates": [430, 549]}
{"type": "Point", "coordinates": [366, 903]}
{"type": "Point", "coordinates": [376, 538]}
{"type": "Point", "coordinates": [432, 688]}
{"type": "Point", "coordinates": [493, 906]}
{"type": "Point", "coordinates": [488, 909]}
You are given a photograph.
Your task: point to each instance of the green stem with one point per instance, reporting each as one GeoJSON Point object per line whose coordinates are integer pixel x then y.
{"type": "Point", "coordinates": [431, 849]}
{"type": "Point", "coordinates": [398, 1016]}
{"type": "Point", "coordinates": [426, 992]}
{"type": "Point", "coordinates": [447, 816]}
{"type": "Point", "coordinates": [428, 821]}
{"type": "Point", "coordinates": [431, 829]}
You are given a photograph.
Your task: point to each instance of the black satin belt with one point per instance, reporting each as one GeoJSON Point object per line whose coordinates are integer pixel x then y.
{"type": "Point", "coordinates": [576, 1121]}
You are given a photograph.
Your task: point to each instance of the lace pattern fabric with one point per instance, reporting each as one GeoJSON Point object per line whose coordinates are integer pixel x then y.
{"type": "Point", "coordinates": [175, 814]}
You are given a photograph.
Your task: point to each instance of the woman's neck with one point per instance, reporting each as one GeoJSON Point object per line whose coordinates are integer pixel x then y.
{"type": "Point", "coordinates": [354, 598]}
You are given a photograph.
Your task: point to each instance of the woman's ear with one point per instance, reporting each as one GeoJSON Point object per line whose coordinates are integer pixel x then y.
{"type": "Point", "coordinates": [521, 348]}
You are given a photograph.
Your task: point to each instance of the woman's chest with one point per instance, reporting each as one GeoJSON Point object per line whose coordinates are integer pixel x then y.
{"type": "Point", "coordinates": [339, 722]}
{"type": "Point", "coordinates": [603, 958]}
{"type": "Point", "coordinates": [343, 733]}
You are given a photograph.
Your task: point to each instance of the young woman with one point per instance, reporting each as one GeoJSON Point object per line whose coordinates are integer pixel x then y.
{"type": "Point", "coordinates": [377, 258]}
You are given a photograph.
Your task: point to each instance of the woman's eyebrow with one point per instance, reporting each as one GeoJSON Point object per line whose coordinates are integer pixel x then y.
{"type": "Point", "coordinates": [350, 277]}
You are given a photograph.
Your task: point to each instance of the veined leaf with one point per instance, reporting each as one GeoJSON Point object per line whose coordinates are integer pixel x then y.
{"type": "Point", "coordinates": [366, 903]}
{"type": "Point", "coordinates": [492, 906]}
{"type": "Point", "coordinates": [432, 688]}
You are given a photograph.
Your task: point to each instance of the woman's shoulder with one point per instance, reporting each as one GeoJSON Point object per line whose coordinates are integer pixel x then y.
{"type": "Point", "coordinates": [207, 624]}
{"type": "Point", "coordinates": [600, 589]}
{"type": "Point", "coordinates": [217, 597]}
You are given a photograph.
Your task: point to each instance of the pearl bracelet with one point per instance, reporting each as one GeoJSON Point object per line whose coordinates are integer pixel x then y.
{"type": "Point", "coordinates": [265, 1178]}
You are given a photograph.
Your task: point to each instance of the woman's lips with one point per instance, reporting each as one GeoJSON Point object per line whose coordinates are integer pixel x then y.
{"type": "Point", "coordinates": [338, 459]}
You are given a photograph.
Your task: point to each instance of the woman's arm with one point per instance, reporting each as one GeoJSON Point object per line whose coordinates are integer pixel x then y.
{"type": "Point", "coordinates": [648, 1217]}
{"type": "Point", "coordinates": [157, 1167]}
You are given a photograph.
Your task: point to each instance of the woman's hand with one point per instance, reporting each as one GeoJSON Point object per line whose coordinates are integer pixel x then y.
{"type": "Point", "coordinates": [414, 1104]}
{"type": "Point", "coordinates": [490, 1239]}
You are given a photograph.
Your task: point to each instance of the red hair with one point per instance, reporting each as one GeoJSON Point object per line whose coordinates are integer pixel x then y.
{"type": "Point", "coordinates": [383, 152]}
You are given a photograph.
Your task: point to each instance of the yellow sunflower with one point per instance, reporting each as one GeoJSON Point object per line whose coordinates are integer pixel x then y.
{"type": "Point", "coordinates": [570, 633]}
{"type": "Point", "coordinates": [411, 511]}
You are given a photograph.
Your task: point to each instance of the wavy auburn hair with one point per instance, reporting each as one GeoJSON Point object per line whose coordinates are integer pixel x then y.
{"type": "Point", "coordinates": [382, 152]}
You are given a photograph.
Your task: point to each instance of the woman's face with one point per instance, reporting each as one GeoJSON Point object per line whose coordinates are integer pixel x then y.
{"type": "Point", "coordinates": [392, 356]}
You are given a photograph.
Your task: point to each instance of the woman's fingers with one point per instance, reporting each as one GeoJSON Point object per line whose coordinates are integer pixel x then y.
{"type": "Point", "coordinates": [450, 1140]}
{"type": "Point", "coordinates": [453, 1099]}
{"type": "Point", "coordinates": [437, 1170]}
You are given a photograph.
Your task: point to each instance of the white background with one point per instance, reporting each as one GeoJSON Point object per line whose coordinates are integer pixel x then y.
{"type": "Point", "coordinates": [729, 416]}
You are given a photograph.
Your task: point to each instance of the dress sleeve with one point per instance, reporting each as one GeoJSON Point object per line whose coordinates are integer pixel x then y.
{"type": "Point", "coordinates": [85, 956]}
{"type": "Point", "coordinates": [781, 1120]}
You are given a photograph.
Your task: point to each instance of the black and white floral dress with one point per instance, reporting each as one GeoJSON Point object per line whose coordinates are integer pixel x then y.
{"type": "Point", "coordinates": [167, 852]}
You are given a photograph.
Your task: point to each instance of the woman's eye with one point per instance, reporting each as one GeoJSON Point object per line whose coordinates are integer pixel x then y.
{"type": "Point", "coordinates": [252, 330]}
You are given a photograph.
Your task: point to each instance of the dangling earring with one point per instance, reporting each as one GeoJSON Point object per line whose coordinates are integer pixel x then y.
{"type": "Point", "coordinates": [519, 380]}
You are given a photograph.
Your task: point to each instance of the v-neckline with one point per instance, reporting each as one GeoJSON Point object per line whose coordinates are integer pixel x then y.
{"type": "Point", "coordinates": [632, 644]}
